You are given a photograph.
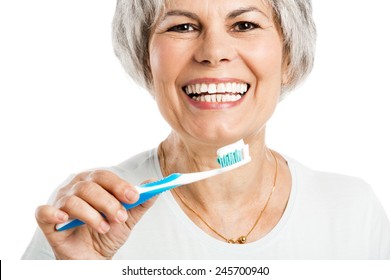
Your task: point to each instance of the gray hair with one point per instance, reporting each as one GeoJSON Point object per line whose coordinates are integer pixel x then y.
{"type": "Point", "coordinates": [134, 19]}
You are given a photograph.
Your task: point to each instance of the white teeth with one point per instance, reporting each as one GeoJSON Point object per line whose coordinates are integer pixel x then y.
{"type": "Point", "coordinates": [244, 88]}
{"type": "Point", "coordinates": [234, 87]}
{"type": "Point", "coordinates": [228, 87]}
{"type": "Point", "coordinates": [197, 88]}
{"type": "Point", "coordinates": [212, 88]}
{"type": "Point", "coordinates": [224, 98]}
{"type": "Point", "coordinates": [203, 88]}
{"type": "Point", "coordinates": [221, 92]}
{"type": "Point", "coordinates": [217, 88]}
{"type": "Point", "coordinates": [217, 98]}
{"type": "Point", "coordinates": [221, 88]}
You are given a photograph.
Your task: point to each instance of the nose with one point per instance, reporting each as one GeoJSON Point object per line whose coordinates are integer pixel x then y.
{"type": "Point", "coordinates": [214, 48]}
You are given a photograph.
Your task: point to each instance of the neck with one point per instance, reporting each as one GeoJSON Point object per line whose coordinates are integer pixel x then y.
{"type": "Point", "coordinates": [232, 189]}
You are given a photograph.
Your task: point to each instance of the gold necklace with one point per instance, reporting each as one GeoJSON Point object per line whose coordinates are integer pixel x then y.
{"type": "Point", "coordinates": [242, 239]}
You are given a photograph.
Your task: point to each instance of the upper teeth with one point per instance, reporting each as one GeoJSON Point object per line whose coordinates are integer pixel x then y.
{"type": "Point", "coordinates": [240, 88]}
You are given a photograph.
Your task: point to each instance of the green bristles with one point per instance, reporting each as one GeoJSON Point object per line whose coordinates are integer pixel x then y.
{"type": "Point", "coordinates": [230, 158]}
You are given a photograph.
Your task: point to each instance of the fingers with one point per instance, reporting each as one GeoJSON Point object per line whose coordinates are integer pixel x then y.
{"type": "Point", "coordinates": [89, 195]}
{"type": "Point", "coordinates": [115, 185]}
{"type": "Point", "coordinates": [95, 198]}
{"type": "Point", "coordinates": [100, 199]}
{"type": "Point", "coordinates": [48, 216]}
{"type": "Point", "coordinates": [87, 200]}
{"type": "Point", "coordinates": [78, 208]}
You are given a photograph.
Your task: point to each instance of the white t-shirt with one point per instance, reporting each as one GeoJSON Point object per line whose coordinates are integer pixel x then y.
{"type": "Point", "coordinates": [328, 216]}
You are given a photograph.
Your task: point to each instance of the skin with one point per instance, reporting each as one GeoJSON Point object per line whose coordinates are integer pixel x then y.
{"type": "Point", "coordinates": [83, 198]}
{"type": "Point", "coordinates": [221, 40]}
{"type": "Point", "coordinates": [210, 40]}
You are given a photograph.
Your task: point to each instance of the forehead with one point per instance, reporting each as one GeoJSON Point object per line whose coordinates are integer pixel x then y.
{"type": "Point", "coordinates": [220, 6]}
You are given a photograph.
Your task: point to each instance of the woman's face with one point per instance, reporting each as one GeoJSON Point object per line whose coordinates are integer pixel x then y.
{"type": "Point", "coordinates": [217, 68]}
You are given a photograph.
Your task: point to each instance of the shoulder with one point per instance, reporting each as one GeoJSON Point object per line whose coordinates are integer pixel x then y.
{"type": "Point", "coordinates": [139, 167]}
{"type": "Point", "coordinates": [334, 194]}
{"type": "Point", "coordinates": [347, 203]}
{"type": "Point", "coordinates": [337, 196]}
{"type": "Point", "coordinates": [340, 210]}
{"type": "Point", "coordinates": [327, 184]}
{"type": "Point", "coordinates": [138, 160]}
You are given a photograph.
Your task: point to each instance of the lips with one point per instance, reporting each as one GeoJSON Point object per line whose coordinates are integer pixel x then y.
{"type": "Point", "coordinates": [216, 92]}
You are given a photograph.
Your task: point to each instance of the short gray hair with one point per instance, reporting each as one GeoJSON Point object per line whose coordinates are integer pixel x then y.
{"type": "Point", "coordinates": [134, 19]}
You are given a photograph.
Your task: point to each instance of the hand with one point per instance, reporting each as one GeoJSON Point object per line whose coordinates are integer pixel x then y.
{"type": "Point", "coordinates": [84, 198]}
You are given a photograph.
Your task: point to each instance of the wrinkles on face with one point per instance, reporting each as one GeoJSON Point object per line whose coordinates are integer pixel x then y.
{"type": "Point", "coordinates": [209, 43]}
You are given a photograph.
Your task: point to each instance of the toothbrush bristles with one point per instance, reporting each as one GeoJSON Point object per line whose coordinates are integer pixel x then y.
{"type": "Point", "coordinates": [233, 153]}
{"type": "Point", "coordinates": [230, 158]}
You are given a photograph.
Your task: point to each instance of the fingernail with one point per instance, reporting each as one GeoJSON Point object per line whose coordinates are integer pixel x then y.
{"type": "Point", "coordinates": [130, 195]}
{"type": "Point", "coordinates": [121, 215]}
{"type": "Point", "coordinates": [104, 227]}
{"type": "Point", "coordinates": [62, 216]}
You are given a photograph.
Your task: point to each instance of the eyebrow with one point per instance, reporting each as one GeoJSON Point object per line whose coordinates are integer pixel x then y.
{"type": "Point", "coordinates": [180, 13]}
{"type": "Point", "coordinates": [231, 15]}
{"type": "Point", "coordinates": [244, 10]}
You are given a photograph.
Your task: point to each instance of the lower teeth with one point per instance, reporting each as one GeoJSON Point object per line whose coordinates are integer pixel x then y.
{"type": "Point", "coordinates": [217, 98]}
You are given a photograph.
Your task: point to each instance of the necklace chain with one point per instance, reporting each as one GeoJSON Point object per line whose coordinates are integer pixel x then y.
{"type": "Point", "coordinates": [242, 239]}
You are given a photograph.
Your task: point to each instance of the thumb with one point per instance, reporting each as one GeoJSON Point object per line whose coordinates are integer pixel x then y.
{"type": "Point", "coordinates": [136, 213]}
{"type": "Point", "coordinates": [47, 217]}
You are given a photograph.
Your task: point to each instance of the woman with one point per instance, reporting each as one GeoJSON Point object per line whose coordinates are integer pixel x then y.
{"type": "Point", "coordinates": [217, 70]}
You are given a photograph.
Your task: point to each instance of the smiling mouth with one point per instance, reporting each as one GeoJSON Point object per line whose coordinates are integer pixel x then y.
{"type": "Point", "coordinates": [221, 92]}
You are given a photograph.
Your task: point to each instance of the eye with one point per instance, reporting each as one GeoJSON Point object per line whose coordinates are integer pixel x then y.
{"type": "Point", "coordinates": [243, 26]}
{"type": "Point", "coordinates": [182, 28]}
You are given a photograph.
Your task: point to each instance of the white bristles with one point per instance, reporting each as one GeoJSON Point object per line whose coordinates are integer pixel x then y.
{"type": "Point", "coordinates": [233, 154]}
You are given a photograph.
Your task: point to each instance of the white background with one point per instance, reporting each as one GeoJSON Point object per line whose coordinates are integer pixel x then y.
{"type": "Point", "coordinates": [67, 105]}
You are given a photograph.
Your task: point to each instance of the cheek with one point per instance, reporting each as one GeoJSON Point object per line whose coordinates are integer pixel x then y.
{"type": "Point", "coordinates": [165, 58]}
{"type": "Point", "coordinates": [265, 60]}
{"type": "Point", "coordinates": [159, 62]}
{"type": "Point", "coordinates": [166, 64]}
{"type": "Point", "coordinates": [167, 104]}
{"type": "Point", "coordinates": [266, 65]}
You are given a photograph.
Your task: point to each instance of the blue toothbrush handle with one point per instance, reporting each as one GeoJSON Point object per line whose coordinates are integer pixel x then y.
{"type": "Point", "coordinates": [142, 197]}
{"type": "Point", "coordinates": [146, 196]}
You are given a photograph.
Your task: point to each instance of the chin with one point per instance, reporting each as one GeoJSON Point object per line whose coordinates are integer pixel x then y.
{"type": "Point", "coordinates": [218, 138]}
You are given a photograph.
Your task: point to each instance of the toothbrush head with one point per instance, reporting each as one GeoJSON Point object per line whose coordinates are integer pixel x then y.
{"type": "Point", "coordinates": [233, 154]}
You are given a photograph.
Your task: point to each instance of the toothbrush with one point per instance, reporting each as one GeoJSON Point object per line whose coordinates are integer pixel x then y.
{"type": "Point", "coordinates": [229, 157]}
